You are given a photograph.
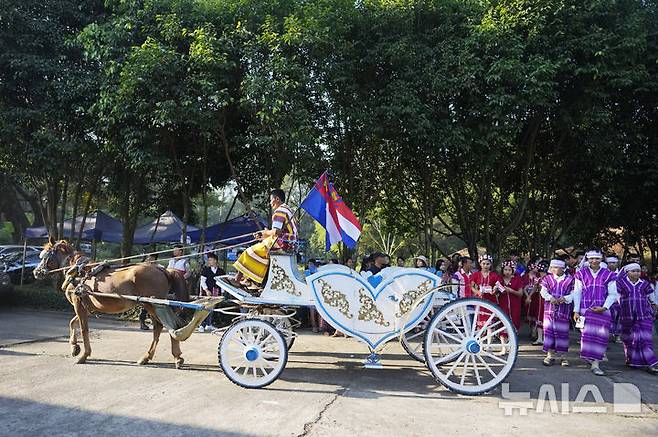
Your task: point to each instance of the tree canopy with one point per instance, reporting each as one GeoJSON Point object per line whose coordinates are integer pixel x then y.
{"type": "Point", "coordinates": [511, 124]}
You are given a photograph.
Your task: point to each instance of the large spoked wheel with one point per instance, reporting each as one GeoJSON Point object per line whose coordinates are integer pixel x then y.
{"type": "Point", "coordinates": [252, 353]}
{"type": "Point", "coordinates": [412, 340]}
{"type": "Point", "coordinates": [470, 346]}
{"type": "Point", "coordinates": [283, 325]}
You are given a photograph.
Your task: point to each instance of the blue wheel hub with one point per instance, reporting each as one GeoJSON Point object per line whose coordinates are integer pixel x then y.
{"type": "Point", "coordinates": [473, 347]}
{"type": "Point", "coordinates": [251, 354]}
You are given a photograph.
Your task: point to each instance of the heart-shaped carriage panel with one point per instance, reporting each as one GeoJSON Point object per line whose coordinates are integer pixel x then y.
{"type": "Point", "coordinates": [349, 303]}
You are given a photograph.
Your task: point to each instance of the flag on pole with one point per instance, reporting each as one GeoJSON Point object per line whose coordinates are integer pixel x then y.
{"type": "Point", "coordinates": [326, 206]}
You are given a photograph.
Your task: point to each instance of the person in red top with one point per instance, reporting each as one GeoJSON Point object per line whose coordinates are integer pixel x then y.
{"type": "Point", "coordinates": [510, 292]}
{"type": "Point", "coordinates": [461, 279]}
{"type": "Point", "coordinates": [482, 283]}
{"type": "Point", "coordinates": [532, 301]}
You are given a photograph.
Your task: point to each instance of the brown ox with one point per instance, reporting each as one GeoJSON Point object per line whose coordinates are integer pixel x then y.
{"type": "Point", "coordinates": [149, 280]}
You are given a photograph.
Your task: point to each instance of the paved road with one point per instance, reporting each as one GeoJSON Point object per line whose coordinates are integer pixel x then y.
{"type": "Point", "coordinates": [323, 391]}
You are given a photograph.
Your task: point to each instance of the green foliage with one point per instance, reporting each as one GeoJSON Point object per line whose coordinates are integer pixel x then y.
{"type": "Point", "coordinates": [494, 122]}
{"type": "Point", "coordinates": [37, 295]}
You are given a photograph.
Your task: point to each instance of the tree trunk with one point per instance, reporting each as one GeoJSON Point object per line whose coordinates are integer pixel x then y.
{"type": "Point", "coordinates": [90, 196]}
{"type": "Point", "coordinates": [10, 206]}
{"type": "Point", "coordinates": [65, 192]}
{"type": "Point", "coordinates": [76, 203]}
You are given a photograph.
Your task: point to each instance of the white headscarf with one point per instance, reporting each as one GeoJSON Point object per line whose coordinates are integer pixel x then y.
{"type": "Point", "coordinates": [632, 266]}
{"type": "Point", "coordinates": [557, 263]}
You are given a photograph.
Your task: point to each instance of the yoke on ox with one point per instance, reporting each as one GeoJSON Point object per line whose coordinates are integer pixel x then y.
{"type": "Point", "coordinates": [112, 291]}
{"type": "Point", "coordinates": [459, 340]}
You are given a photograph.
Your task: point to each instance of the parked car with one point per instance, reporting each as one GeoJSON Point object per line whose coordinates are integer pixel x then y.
{"type": "Point", "coordinates": [13, 265]}
{"type": "Point", "coordinates": [9, 249]}
{"type": "Point", "coordinates": [5, 280]}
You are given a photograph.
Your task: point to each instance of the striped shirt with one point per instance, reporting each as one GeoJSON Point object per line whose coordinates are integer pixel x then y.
{"type": "Point", "coordinates": [635, 299]}
{"type": "Point", "coordinates": [594, 289]}
{"type": "Point", "coordinates": [557, 287]}
{"type": "Point", "coordinates": [284, 220]}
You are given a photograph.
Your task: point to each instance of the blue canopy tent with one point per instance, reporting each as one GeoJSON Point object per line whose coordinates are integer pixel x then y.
{"type": "Point", "coordinates": [168, 228]}
{"type": "Point", "coordinates": [244, 224]}
{"type": "Point", "coordinates": [99, 226]}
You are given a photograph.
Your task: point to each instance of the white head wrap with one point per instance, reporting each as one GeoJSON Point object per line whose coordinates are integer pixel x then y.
{"type": "Point", "coordinates": [593, 254]}
{"type": "Point", "coordinates": [558, 263]}
{"type": "Point", "coordinates": [632, 266]}
{"type": "Point", "coordinates": [612, 259]}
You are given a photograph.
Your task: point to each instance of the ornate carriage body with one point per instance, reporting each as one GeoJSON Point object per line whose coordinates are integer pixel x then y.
{"type": "Point", "coordinates": [469, 345]}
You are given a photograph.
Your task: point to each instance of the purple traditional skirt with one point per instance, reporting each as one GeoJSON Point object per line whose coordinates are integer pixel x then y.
{"type": "Point", "coordinates": [594, 336]}
{"type": "Point", "coordinates": [615, 324]}
{"type": "Point", "coordinates": [638, 343]}
{"type": "Point", "coordinates": [556, 333]}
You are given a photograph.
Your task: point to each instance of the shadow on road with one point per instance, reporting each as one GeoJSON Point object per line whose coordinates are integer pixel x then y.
{"type": "Point", "coordinates": [17, 417]}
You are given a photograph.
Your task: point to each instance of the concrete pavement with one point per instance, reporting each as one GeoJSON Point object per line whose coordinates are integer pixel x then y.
{"type": "Point", "coordinates": [324, 391]}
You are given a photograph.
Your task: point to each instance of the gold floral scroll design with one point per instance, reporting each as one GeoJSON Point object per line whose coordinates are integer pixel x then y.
{"type": "Point", "coordinates": [281, 281]}
{"type": "Point", "coordinates": [369, 311]}
{"type": "Point", "coordinates": [410, 297]}
{"type": "Point", "coordinates": [335, 299]}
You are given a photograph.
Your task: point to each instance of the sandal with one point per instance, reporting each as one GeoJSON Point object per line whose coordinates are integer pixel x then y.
{"type": "Point", "coordinates": [565, 363]}
{"type": "Point", "coordinates": [548, 361]}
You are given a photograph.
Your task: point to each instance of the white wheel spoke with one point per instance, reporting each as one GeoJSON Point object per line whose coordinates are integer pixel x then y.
{"type": "Point", "coordinates": [239, 366]}
{"type": "Point", "coordinates": [486, 365]}
{"type": "Point", "coordinates": [492, 345]}
{"type": "Point", "coordinates": [463, 335]}
{"type": "Point", "coordinates": [242, 338]}
{"type": "Point", "coordinates": [494, 333]}
{"type": "Point", "coordinates": [455, 364]}
{"type": "Point", "coordinates": [476, 370]}
{"type": "Point", "coordinates": [231, 348]}
{"type": "Point", "coordinates": [465, 320]}
{"type": "Point", "coordinates": [450, 336]}
{"type": "Point", "coordinates": [416, 335]}
{"type": "Point", "coordinates": [268, 364]}
{"type": "Point", "coordinates": [493, 357]}
{"type": "Point", "coordinates": [266, 339]}
{"type": "Point", "coordinates": [239, 340]}
{"type": "Point", "coordinates": [450, 345]}
{"type": "Point", "coordinates": [476, 313]}
{"type": "Point", "coordinates": [466, 361]}
{"type": "Point", "coordinates": [269, 355]}
{"type": "Point", "coordinates": [485, 325]}
{"type": "Point", "coordinates": [448, 357]}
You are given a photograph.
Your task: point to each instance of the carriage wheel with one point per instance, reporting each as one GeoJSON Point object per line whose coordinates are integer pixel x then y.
{"type": "Point", "coordinates": [464, 347]}
{"type": "Point", "coordinates": [283, 325]}
{"type": "Point", "coordinates": [252, 353]}
{"type": "Point", "coordinates": [412, 340]}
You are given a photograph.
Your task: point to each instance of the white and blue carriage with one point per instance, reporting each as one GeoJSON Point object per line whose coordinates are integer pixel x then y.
{"type": "Point", "coordinates": [469, 345]}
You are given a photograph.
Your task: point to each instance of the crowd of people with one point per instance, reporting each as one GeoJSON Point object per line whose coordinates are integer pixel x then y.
{"type": "Point", "coordinates": [584, 291]}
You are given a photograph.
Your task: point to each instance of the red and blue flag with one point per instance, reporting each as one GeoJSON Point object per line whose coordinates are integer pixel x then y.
{"type": "Point", "coordinates": [327, 207]}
